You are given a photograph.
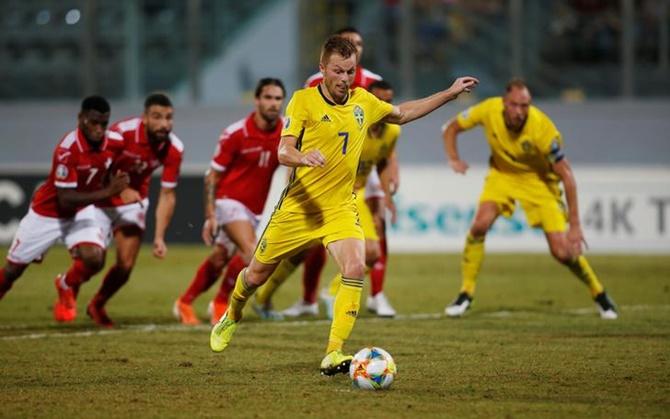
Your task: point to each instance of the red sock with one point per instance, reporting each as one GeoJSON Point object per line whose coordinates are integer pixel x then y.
{"type": "Point", "coordinates": [233, 269]}
{"type": "Point", "coordinates": [378, 271]}
{"type": "Point", "coordinates": [204, 278]}
{"type": "Point", "coordinates": [314, 263]}
{"type": "Point", "coordinates": [78, 274]}
{"type": "Point", "coordinates": [113, 281]}
{"type": "Point", "coordinates": [5, 285]}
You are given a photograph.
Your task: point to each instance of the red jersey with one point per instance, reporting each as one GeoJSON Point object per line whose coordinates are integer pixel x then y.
{"type": "Point", "coordinates": [140, 158]}
{"type": "Point", "coordinates": [76, 165]}
{"type": "Point", "coordinates": [247, 158]}
{"type": "Point", "coordinates": [363, 78]}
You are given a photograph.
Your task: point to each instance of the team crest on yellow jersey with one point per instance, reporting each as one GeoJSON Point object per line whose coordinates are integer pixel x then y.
{"type": "Point", "coordinates": [359, 115]}
{"type": "Point", "coordinates": [263, 245]}
{"type": "Point", "coordinates": [527, 147]}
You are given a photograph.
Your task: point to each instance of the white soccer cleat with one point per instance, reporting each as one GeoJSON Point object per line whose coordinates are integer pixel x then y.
{"type": "Point", "coordinates": [459, 306]}
{"type": "Point", "coordinates": [302, 308]}
{"type": "Point", "coordinates": [606, 307]}
{"type": "Point", "coordinates": [380, 305]}
{"type": "Point", "coordinates": [328, 301]}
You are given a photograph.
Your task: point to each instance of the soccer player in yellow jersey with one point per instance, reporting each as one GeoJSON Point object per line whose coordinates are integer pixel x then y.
{"type": "Point", "coordinates": [322, 140]}
{"type": "Point", "coordinates": [377, 150]}
{"type": "Point", "coordinates": [526, 165]}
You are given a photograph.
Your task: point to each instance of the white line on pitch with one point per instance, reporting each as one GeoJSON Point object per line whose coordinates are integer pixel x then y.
{"type": "Point", "coordinates": [148, 328]}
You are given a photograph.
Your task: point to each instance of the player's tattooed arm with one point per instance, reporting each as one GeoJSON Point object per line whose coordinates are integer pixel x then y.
{"type": "Point", "coordinates": [210, 226]}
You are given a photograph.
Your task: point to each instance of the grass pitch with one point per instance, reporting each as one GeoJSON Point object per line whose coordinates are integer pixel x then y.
{"type": "Point", "coordinates": [531, 346]}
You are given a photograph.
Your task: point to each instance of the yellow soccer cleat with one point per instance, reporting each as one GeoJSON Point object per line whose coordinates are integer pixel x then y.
{"type": "Point", "coordinates": [336, 363]}
{"type": "Point", "coordinates": [222, 333]}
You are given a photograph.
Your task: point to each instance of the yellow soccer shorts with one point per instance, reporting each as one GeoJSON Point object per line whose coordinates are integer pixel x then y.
{"type": "Point", "coordinates": [365, 215]}
{"type": "Point", "coordinates": [541, 201]}
{"type": "Point", "coordinates": [287, 233]}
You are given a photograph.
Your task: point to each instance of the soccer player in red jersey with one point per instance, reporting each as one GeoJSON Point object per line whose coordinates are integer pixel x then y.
{"type": "Point", "coordinates": [236, 188]}
{"type": "Point", "coordinates": [60, 209]}
{"type": "Point", "coordinates": [149, 143]}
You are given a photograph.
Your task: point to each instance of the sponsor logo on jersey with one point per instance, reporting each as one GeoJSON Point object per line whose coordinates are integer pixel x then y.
{"type": "Point", "coordinates": [466, 113]}
{"type": "Point", "coordinates": [251, 150]}
{"type": "Point", "coordinates": [359, 115]}
{"type": "Point", "coordinates": [326, 118]}
{"type": "Point", "coordinates": [63, 155]}
{"type": "Point", "coordinates": [287, 122]}
{"type": "Point", "coordinates": [61, 171]}
{"type": "Point", "coordinates": [263, 245]}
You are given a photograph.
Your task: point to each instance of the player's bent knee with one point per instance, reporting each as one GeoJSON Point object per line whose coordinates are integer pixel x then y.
{"type": "Point", "coordinates": [13, 270]}
{"type": "Point", "coordinates": [561, 255]}
{"type": "Point", "coordinates": [354, 270]}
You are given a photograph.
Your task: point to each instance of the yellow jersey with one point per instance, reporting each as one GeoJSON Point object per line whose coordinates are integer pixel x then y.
{"type": "Point", "coordinates": [338, 132]}
{"type": "Point", "coordinates": [529, 153]}
{"type": "Point", "coordinates": [375, 149]}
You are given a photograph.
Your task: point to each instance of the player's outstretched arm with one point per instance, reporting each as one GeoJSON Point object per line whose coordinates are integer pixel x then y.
{"type": "Point", "coordinates": [289, 155]}
{"type": "Point", "coordinates": [167, 200]}
{"type": "Point", "coordinates": [415, 109]}
{"type": "Point", "coordinates": [210, 228]}
{"type": "Point", "coordinates": [450, 134]}
{"type": "Point", "coordinates": [70, 198]}
{"type": "Point", "coordinates": [575, 235]}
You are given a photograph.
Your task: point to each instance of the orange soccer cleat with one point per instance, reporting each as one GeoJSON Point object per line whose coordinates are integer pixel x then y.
{"type": "Point", "coordinates": [65, 307]}
{"type": "Point", "coordinates": [184, 313]}
{"type": "Point", "coordinates": [98, 314]}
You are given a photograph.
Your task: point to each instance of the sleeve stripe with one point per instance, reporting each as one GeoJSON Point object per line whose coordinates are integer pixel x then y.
{"type": "Point", "coordinates": [216, 166]}
{"type": "Point", "coordinates": [169, 184]}
{"type": "Point", "coordinates": [65, 184]}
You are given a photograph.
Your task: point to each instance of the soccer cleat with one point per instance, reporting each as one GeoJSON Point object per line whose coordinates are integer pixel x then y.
{"type": "Point", "coordinates": [216, 309]}
{"type": "Point", "coordinates": [265, 312]}
{"type": "Point", "coordinates": [98, 314]}
{"type": "Point", "coordinates": [380, 305]}
{"type": "Point", "coordinates": [336, 363]}
{"type": "Point", "coordinates": [329, 301]}
{"type": "Point", "coordinates": [459, 306]}
{"type": "Point", "coordinates": [184, 313]}
{"type": "Point", "coordinates": [222, 333]}
{"type": "Point", "coordinates": [301, 308]}
{"type": "Point", "coordinates": [65, 307]}
{"type": "Point", "coordinates": [606, 307]}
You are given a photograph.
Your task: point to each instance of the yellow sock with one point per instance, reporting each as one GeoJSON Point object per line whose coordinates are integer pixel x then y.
{"type": "Point", "coordinates": [582, 270]}
{"type": "Point", "coordinates": [334, 285]}
{"type": "Point", "coordinates": [278, 277]}
{"type": "Point", "coordinates": [473, 254]}
{"type": "Point", "coordinates": [345, 310]}
{"type": "Point", "coordinates": [241, 294]}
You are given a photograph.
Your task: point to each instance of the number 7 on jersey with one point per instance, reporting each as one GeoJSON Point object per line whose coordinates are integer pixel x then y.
{"type": "Point", "coordinates": [345, 137]}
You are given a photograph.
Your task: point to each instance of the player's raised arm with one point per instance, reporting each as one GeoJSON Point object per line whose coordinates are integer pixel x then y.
{"type": "Point", "coordinates": [290, 156]}
{"type": "Point", "coordinates": [415, 109]}
{"type": "Point", "coordinates": [450, 132]}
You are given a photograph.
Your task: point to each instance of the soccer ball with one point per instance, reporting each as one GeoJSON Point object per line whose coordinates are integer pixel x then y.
{"type": "Point", "coordinates": [372, 369]}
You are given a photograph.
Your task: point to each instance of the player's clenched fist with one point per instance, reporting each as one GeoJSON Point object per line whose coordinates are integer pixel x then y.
{"type": "Point", "coordinates": [313, 158]}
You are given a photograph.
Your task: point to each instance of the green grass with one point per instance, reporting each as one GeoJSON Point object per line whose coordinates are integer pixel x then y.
{"type": "Point", "coordinates": [532, 346]}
